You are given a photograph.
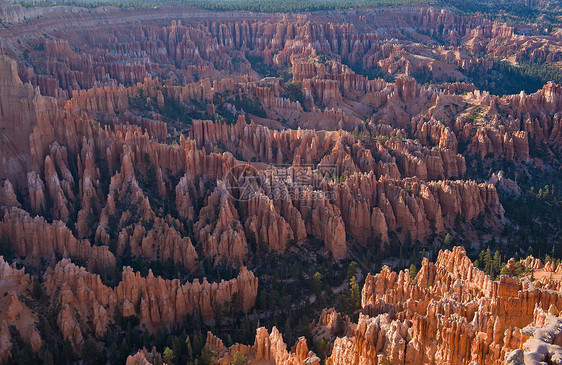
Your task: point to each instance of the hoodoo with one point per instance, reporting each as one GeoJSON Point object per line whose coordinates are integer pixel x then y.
{"type": "Point", "coordinates": [279, 182]}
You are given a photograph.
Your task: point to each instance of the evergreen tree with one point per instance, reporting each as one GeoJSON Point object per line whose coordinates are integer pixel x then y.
{"type": "Point", "coordinates": [48, 358]}
{"type": "Point", "coordinates": [36, 290]}
{"type": "Point", "coordinates": [189, 349]}
{"type": "Point", "coordinates": [487, 262]}
{"type": "Point", "coordinates": [317, 283]}
{"type": "Point", "coordinates": [355, 293]}
{"type": "Point", "coordinates": [114, 353]}
{"type": "Point", "coordinates": [246, 329]}
{"type": "Point", "coordinates": [68, 354]}
{"type": "Point", "coordinates": [168, 356]}
{"type": "Point", "coordinates": [351, 270]}
{"type": "Point", "coordinates": [90, 353]}
{"type": "Point", "coordinates": [497, 263]}
{"type": "Point", "coordinates": [207, 357]}
{"type": "Point", "coordinates": [413, 271]}
{"type": "Point", "coordinates": [239, 359]}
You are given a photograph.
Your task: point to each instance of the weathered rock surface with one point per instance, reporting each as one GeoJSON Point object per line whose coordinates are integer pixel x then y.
{"type": "Point", "coordinates": [160, 302]}
{"type": "Point", "coordinates": [221, 231]}
{"type": "Point", "coordinates": [267, 348]}
{"type": "Point", "coordinates": [36, 239]}
{"type": "Point", "coordinates": [143, 357]}
{"type": "Point", "coordinates": [120, 131]}
{"type": "Point", "coordinates": [450, 313]}
{"type": "Point", "coordinates": [14, 287]}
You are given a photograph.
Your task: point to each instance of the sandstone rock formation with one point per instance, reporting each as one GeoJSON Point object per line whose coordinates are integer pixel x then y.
{"type": "Point", "coordinates": [450, 313]}
{"type": "Point", "coordinates": [544, 339]}
{"type": "Point", "coordinates": [24, 107]}
{"type": "Point", "coordinates": [36, 239]}
{"type": "Point", "coordinates": [267, 348]}
{"type": "Point", "coordinates": [14, 285]}
{"type": "Point", "coordinates": [154, 300]}
{"type": "Point", "coordinates": [143, 357]}
{"type": "Point", "coordinates": [158, 136]}
{"type": "Point", "coordinates": [223, 236]}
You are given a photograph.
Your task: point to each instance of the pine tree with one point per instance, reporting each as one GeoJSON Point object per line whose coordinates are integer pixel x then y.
{"type": "Point", "coordinates": [487, 261]}
{"type": "Point", "coordinates": [239, 359]}
{"type": "Point", "coordinates": [168, 356]}
{"type": "Point", "coordinates": [90, 353]}
{"type": "Point", "coordinates": [177, 348]}
{"type": "Point", "coordinates": [48, 358]}
{"type": "Point", "coordinates": [36, 290]}
{"type": "Point", "coordinates": [317, 283]}
{"type": "Point", "coordinates": [189, 349]}
{"type": "Point", "coordinates": [351, 269]}
{"type": "Point", "coordinates": [355, 293]}
{"type": "Point", "coordinates": [207, 357]}
{"type": "Point", "coordinates": [246, 329]}
{"type": "Point", "coordinates": [497, 263]}
{"type": "Point", "coordinates": [413, 271]}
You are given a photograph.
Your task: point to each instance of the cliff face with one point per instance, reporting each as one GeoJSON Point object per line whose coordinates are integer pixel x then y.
{"type": "Point", "coordinates": [450, 313]}
{"type": "Point", "coordinates": [24, 107]}
{"type": "Point", "coordinates": [388, 204]}
{"type": "Point", "coordinates": [333, 96]}
{"type": "Point", "coordinates": [153, 300]}
{"type": "Point", "coordinates": [36, 239]}
{"type": "Point", "coordinates": [332, 89]}
{"type": "Point", "coordinates": [347, 151]}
